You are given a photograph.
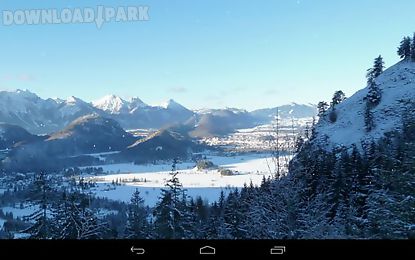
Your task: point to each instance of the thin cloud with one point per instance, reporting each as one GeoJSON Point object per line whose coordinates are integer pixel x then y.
{"type": "Point", "coordinates": [26, 77]}
{"type": "Point", "coordinates": [270, 92]}
{"type": "Point", "coordinates": [21, 77]}
{"type": "Point", "coordinates": [178, 89]}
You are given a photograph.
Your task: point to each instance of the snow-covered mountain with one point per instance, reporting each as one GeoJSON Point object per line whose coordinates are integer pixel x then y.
{"type": "Point", "coordinates": [40, 116]}
{"type": "Point", "coordinates": [173, 105]}
{"type": "Point", "coordinates": [288, 111]}
{"type": "Point", "coordinates": [111, 104]}
{"type": "Point", "coordinates": [214, 111]}
{"type": "Point", "coordinates": [397, 85]}
{"type": "Point", "coordinates": [27, 110]}
{"type": "Point", "coordinates": [73, 108]}
{"type": "Point", "coordinates": [136, 103]}
{"type": "Point", "coordinates": [137, 114]}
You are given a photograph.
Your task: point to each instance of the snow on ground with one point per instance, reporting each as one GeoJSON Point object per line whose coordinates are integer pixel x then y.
{"type": "Point", "coordinates": [244, 163]}
{"type": "Point", "coordinates": [208, 184]}
{"type": "Point", "coordinates": [100, 156]}
{"type": "Point", "coordinates": [151, 194]}
{"type": "Point", "coordinates": [397, 84]}
{"type": "Point", "coordinates": [246, 168]}
{"type": "Point", "coordinates": [19, 235]}
{"type": "Point", "coordinates": [19, 212]}
{"type": "Point", "coordinates": [142, 168]}
{"type": "Point", "coordinates": [102, 213]}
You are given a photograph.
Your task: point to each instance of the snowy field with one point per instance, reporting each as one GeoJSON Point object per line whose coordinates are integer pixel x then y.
{"type": "Point", "coordinates": [208, 184]}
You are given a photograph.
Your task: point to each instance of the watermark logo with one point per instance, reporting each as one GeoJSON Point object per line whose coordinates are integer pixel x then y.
{"type": "Point", "coordinates": [98, 15]}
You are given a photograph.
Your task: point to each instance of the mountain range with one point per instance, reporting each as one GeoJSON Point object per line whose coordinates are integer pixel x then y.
{"type": "Point", "coordinates": [44, 116]}
{"type": "Point", "coordinates": [89, 140]}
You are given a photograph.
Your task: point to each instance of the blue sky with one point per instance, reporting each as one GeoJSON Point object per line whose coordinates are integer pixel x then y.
{"type": "Point", "coordinates": [216, 53]}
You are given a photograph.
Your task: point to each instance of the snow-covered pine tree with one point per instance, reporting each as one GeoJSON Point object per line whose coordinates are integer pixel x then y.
{"type": "Point", "coordinates": [199, 213]}
{"type": "Point", "coordinates": [368, 116]}
{"type": "Point", "coordinates": [299, 143]}
{"type": "Point", "coordinates": [215, 227]}
{"type": "Point", "coordinates": [322, 108]}
{"type": "Point", "coordinates": [313, 128]}
{"type": "Point", "coordinates": [404, 50]}
{"type": "Point", "coordinates": [233, 215]}
{"type": "Point", "coordinates": [137, 225]}
{"type": "Point", "coordinates": [210, 228]}
{"type": "Point", "coordinates": [390, 204]}
{"type": "Point", "coordinates": [374, 94]}
{"type": "Point", "coordinates": [376, 70]}
{"type": "Point", "coordinates": [266, 217]}
{"type": "Point", "coordinates": [344, 214]}
{"type": "Point", "coordinates": [191, 230]}
{"type": "Point", "coordinates": [247, 198]}
{"type": "Point", "coordinates": [338, 97]}
{"type": "Point", "coordinates": [73, 216]}
{"type": "Point", "coordinates": [168, 213]}
{"type": "Point", "coordinates": [413, 49]}
{"type": "Point", "coordinates": [39, 197]}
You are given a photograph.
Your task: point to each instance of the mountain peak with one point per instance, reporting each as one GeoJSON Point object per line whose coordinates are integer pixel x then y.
{"type": "Point", "coordinates": [25, 93]}
{"type": "Point", "coordinates": [20, 91]}
{"type": "Point", "coordinates": [73, 100]}
{"type": "Point", "coordinates": [171, 104]}
{"type": "Point", "coordinates": [111, 103]}
{"type": "Point", "coordinates": [136, 102]}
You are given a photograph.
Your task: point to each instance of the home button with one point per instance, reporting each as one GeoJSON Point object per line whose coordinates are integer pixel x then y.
{"type": "Point", "coordinates": [207, 250]}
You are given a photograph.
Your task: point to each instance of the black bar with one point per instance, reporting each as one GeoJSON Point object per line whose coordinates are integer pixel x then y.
{"type": "Point", "coordinates": [122, 249]}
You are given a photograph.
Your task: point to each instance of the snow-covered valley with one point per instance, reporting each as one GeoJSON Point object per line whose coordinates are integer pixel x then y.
{"type": "Point", "coordinates": [121, 180]}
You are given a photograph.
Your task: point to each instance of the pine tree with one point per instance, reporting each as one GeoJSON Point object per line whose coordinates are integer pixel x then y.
{"type": "Point", "coordinates": [168, 212]}
{"type": "Point", "coordinates": [374, 94]}
{"type": "Point", "coordinates": [413, 49]}
{"type": "Point", "coordinates": [199, 213]}
{"type": "Point", "coordinates": [368, 117]}
{"type": "Point", "coordinates": [233, 215]}
{"type": "Point", "coordinates": [338, 97]}
{"type": "Point", "coordinates": [299, 143]}
{"type": "Point", "coordinates": [137, 225]}
{"type": "Point", "coordinates": [216, 227]}
{"type": "Point", "coordinates": [376, 70]}
{"type": "Point", "coordinates": [404, 50]}
{"type": "Point", "coordinates": [39, 197]}
{"type": "Point", "coordinates": [322, 108]}
{"type": "Point", "coordinates": [73, 217]}
{"type": "Point", "coordinates": [247, 198]}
